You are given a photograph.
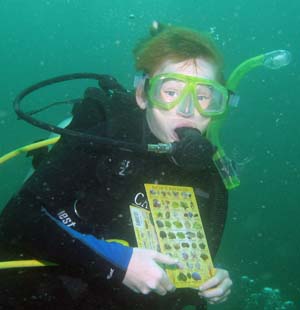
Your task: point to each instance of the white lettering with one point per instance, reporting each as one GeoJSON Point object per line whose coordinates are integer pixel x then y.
{"type": "Point", "coordinates": [64, 217]}
{"type": "Point", "coordinates": [109, 276]}
{"type": "Point", "coordinates": [67, 220]}
{"type": "Point", "coordinates": [124, 165]}
{"type": "Point", "coordinates": [140, 200]}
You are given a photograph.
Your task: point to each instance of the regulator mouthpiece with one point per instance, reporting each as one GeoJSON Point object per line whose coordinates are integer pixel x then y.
{"type": "Point", "coordinates": [277, 59]}
{"type": "Point", "coordinates": [160, 148]}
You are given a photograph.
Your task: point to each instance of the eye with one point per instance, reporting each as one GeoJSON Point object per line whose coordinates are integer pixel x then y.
{"type": "Point", "coordinates": [203, 93]}
{"type": "Point", "coordinates": [171, 93]}
{"type": "Point", "coordinates": [203, 97]}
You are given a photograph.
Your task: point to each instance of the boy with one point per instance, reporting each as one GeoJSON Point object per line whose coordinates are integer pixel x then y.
{"type": "Point", "coordinates": [80, 193]}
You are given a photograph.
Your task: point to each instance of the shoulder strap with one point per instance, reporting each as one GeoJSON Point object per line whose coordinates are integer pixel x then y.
{"type": "Point", "coordinates": [100, 104]}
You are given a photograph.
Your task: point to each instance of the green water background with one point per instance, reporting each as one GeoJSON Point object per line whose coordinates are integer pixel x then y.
{"type": "Point", "coordinates": [41, 39]}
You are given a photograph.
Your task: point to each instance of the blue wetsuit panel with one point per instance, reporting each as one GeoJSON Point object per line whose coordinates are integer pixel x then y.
{"type": "Point", "coordinates": [114, 252]}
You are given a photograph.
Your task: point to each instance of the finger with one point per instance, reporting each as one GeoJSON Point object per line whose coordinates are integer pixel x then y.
{"type": "Point", "coordinates": [215, 293]}
{"type": "Point", "coordinates": [135, 290]}
{"type": "Point", "coordinates": [215, 301]}
{"type": "Point", "coordinates": [167, 284]}
{"type": "Point", "coordinates": [165, 259]}
{"type": "Point", "coordinates": [160, 290]}
{"type": "Point", "coordinates": [172, 288]}
{"type": "Point", "coordinates": [215, 280]}
{"type": "Point", "coordinates": [162, 286]}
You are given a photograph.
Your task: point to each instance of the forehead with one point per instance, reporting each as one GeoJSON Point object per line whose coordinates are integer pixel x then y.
{"type": "Point", "coordinates": [194, 67]}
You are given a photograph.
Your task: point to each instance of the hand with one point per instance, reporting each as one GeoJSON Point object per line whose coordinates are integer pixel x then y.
{"type": "Point", "coordinates": [217, 288]}
{"type": "Point", "coordinates": [144, 275]}
{"type": "Point", "coordinates": [193, 151]}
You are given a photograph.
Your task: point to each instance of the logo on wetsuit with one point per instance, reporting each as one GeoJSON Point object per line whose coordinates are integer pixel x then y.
{"type": "Point", "coordinates": [65, 219]}
{"type": "Point", "coordinates": [124, 166]}
{"type": "Point", "coordinates": [111, 272]}
{"type": "Point", "coordinates": [141, 201]}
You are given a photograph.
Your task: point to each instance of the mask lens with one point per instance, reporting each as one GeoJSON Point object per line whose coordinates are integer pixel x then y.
{"type": "Point", "coordinates": [168, 90]}
{"type": "Point", "coordinates": [210, 99]}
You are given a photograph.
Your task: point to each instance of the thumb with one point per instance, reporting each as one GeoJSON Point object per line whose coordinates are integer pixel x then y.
{"type": "Point", "coordinates": [165, 259]}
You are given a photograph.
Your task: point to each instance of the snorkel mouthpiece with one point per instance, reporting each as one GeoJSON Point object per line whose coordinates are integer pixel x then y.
{"type": "Point", "coordinates": [226, 169]}
{"type": "Point", "coordinates": [277, 59]}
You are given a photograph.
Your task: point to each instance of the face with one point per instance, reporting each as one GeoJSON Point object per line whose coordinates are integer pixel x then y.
{"type": "Point", "coordinates": [163, 123]}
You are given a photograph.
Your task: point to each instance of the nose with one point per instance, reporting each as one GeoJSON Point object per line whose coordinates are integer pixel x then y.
{"type": "Point", "coordinates": [186, 107]}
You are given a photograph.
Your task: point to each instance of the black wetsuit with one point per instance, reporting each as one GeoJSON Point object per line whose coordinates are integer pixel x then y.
{"type": "Point", "coordinates": [78, 197]}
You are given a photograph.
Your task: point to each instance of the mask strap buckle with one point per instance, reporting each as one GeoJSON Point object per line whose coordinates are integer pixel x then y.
{"type": "Point", "coordinates": [139, 78]}
{"type": "Point", "coordinates": [233, 100]}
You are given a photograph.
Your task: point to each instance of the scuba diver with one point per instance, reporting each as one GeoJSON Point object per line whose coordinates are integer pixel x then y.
{"type": "Point", "coordinates": [73, 210]}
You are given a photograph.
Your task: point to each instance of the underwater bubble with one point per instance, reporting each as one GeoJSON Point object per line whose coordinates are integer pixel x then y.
{"type": "Point", "coordinates": [212, 29]}
{"type": "Point", "coordinates": [267, 290]}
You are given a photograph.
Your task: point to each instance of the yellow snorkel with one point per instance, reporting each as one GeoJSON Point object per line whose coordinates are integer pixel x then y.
{"type": "Point", "coordinates": [273, 60]}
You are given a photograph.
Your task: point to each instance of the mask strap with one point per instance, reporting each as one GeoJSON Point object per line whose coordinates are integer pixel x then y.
{"type": "Point", "coordinates": [233, 100]}
{"type": "Point", "coordinates": [139, 78]}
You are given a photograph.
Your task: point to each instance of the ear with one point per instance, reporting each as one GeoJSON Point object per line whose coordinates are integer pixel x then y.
{"type": "Point", "coordinates": [140, 95]}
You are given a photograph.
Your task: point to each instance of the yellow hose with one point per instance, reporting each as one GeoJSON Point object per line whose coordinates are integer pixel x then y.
{"type": "Point", "coordinates": [25, 264]}
{"type": "Point", "coordinates": [27, 148]}
{"type": "Point", "coordinates": [42, 263]}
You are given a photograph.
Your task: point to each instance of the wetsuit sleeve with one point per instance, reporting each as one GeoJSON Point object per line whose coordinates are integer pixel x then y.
{"type": "Point", "coordinates": [28, 225]}
{"type": "Point", "coordinates": [31, 221]}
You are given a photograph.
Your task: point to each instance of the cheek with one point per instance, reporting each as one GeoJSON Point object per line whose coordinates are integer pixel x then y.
{"type": "Point", "coordinates": [202, 123]}
{"type": "Point", "coordinates": [157, 117]}
{"type": "Point", "coordinates": [159, 124]}
{"type": "Point", "coordinates": [153, 121]}
{"type": "Point", "coordinates": [205, 103]}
